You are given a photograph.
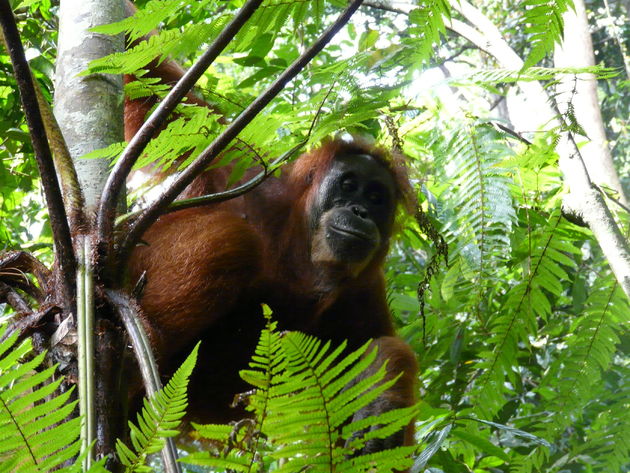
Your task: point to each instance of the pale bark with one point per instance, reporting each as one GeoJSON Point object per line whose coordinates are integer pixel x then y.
{"type": "Point", "coordinates": [89, 111]}
{"type": "Point", "coordinates": [491, 42]}
{"type": "Point", "coordinates": [88, 108]}
{"type": "Point", "coordinates": [577, 51]}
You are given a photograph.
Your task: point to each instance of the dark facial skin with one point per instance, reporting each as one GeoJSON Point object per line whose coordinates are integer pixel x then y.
{"type": "Point", "coordinates": [354, 208]}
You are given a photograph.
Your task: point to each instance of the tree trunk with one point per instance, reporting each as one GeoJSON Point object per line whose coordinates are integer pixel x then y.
{"type": "Point", "coordinates": [89, 108]}
{"type": "Point", "coordinates": [90, 114]}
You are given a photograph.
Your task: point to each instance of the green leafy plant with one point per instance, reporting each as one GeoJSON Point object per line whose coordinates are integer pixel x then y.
{"type": "Point", "coordinates": [36, 433]}
{"type": "Point", "coordinates": [158, 420]}
{"type": "Point", "coordinates": [306, 395]}
{"type": "Point", "coordinates": [526, 329]}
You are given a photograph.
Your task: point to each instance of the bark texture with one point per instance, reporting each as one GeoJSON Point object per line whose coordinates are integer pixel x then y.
{"type": "Point", "coordinates": [89, 108]}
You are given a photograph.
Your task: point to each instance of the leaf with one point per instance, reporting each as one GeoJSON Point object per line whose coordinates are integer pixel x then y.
{"type": "Point", "coordinates": [35, 432]}
{"type": "Point", "coordinates": [159, 419]}
{"type": "Point", "coordinates": [544, 23]}
{"type": "Point", "coordinates": [512, 430]}
{"type": "Point", "coordinates": [438, 439]}
{"type": "Point", "coordinates": [481, 443]}
{"type": "Point", "coordinates": [306, 396]}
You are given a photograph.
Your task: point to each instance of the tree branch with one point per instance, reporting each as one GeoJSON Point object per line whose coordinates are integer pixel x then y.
{"type": "Point", "coordinates": [149, 215]}
{"type": "Point", "coordinates": [118, 176]}
{"type": "Point", "coordinates": [58, 219]}
{"type": "Point", "coordinates": [225, 195]}
{"type": "Point", "coordinates": [384, 6]}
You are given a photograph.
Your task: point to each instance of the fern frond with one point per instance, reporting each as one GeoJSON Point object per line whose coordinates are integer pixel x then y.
{"type": "Point", "coordinates": [145, 87]}
{"type": "Point", "coordinates": [395, 459]}
{"type": "Point", "coordinates": [388, 423]}
{"type": "Point", "coordinates": [480, 202]}
{"type": "Point", "coordinates": [591, 346]}
{"type": "Point", "coordinates": [308, 407]}
{"type": "Point", "coordinates": [545, 254]}
{"type": "Point", "coordinates": [136, 58]}
{"type": "Point", "coordinates": [428, 23]}
{"type": "Point", "coordinates": [491, 77]}
{"type": "Point", "coordinates": [35, 435]}
{"type": "Point", "coordinates": [232, 461]}
{"type": "Point", "coordinates": [544, 23]}
{"type": "Point", "coordinates": [260, 33]}
{"type": "Point", "coordinates": [606, 442]}
{"type": "Point", "coordinates": [158, 420]}
{"type": "Point", "coordinates": [145, 20]}
{"type": "Point", "coordinates": [306, 394]}
{"type": "Point", "coordinates": [188, 135]}
{"type": "Point", "coordinates": [110, 152]}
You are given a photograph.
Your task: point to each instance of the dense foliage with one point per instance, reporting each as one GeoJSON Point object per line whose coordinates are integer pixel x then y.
{"type": "Point", "coordinates": [522, 334]}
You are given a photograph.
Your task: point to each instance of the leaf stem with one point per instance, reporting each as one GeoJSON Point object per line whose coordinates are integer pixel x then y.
{"type": "Point", "coordinates": [129, 313]}
{"type": "Point", "coordinates": [85, 355]}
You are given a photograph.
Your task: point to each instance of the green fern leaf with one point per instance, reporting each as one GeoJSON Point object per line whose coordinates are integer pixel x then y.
{"type": "Point", "coordinates": [544, 24]}
{"type": "Point", "coordinates": [145, 20]}
{"type": "Point", "coordinates": [395, 459]}
{"type": "Point", "coordinates": [306, 391]}
{"type": "Point", "coordinates": [133, 59]}
{"type": "Point", "coordinates": [158, 420]}
{"type": "Point", "coordinates": [591, 346]}
{"type": "Point", "coordinates": [428, 23]}
{"type": "Point", "coordinates": [307, 407]}
{"type": "Point", "coordinates": [492, 77]}
{"type": "Point", "coordinates": [232, 461]}
{"type": "Point", "coordinates": [545, 251]}
{"type": "Point", "coordinates": [35, 435]}
{"type": "Point", "coordinates": [213, 431]}
{"type": "Point", "coordinates": [480, 207]}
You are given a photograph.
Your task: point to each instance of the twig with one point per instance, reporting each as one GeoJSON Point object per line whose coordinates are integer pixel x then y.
{"type": "Point", "coordinates": [115, 181]}
{"type": "Point", "coordinates": [8, 294]}
{"type": "Point", "coordinates": [385, 7]}
{"type": "Point", "coordinates": [149, 215]}
{"type": "Point", "coordinates": [225, 195]}
{"type": "Point", "coordinates": [511, 132]}
{"type": "Point", "coordinates": [58, 219]}
{"type": "Point", "coordinates": [616, 201]}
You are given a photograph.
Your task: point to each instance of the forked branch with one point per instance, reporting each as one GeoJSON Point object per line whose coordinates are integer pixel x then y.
{"type": "Point", "coordinates": [118, 176]}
